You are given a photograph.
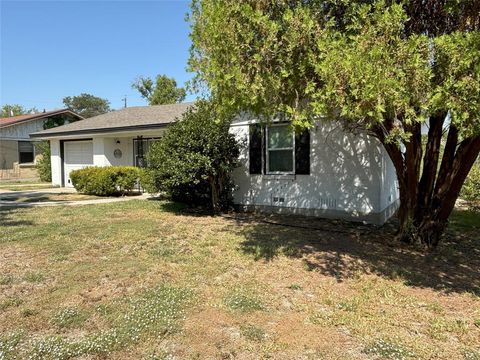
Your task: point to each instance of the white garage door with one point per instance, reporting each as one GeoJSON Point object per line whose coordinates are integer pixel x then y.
{"type": "Point", "coordinates": [78, 154]}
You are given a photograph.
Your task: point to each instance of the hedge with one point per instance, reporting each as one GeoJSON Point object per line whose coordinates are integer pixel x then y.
{"type": "Point", "coordinates": [104, 181]}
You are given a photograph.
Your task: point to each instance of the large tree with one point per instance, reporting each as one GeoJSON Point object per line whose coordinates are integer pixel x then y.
{"type": "Point", "coordinates": [163, 91]}
{"type": "Point", "coordinates": [386, 68]}
{"type": "Point", "coordinates": [87, 105]}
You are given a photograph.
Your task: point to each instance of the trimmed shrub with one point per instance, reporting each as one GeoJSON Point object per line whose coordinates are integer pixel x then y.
{"type": "Point", "coordinates": [105, 181]}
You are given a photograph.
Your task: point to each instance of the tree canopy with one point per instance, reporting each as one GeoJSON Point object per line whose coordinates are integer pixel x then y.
{"type": "Point", "coordinates": [163, 91]}
{"type": "Point", "coordinates": [9, 110]}
{"type": "Point", "coordinates": [87, 105]}
{"type": "Point", "coordinates": [382, 67]}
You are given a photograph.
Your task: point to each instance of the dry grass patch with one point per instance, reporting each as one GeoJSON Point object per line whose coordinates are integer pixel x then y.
{"type": "Point", "coordinates": [148, 280]}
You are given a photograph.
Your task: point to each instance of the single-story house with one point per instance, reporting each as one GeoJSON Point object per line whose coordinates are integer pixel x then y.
{"type": "Point", "coordinates": [321, 172]}
{"type": "Point", "coordinates": [17, 149]}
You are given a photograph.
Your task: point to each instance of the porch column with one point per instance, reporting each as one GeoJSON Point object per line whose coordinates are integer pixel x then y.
{"type": "Point", "coordinates": [56, 162]}
{"type": "Point", "coordinates": [99, 152]}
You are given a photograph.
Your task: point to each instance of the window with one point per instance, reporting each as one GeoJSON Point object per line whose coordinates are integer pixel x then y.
{"type": "Point", "coordinates": [26, 153]}
{"type": "Point", "coordinates": [280, 149]}
{"type": "Point", "coordinates": [276, 149]}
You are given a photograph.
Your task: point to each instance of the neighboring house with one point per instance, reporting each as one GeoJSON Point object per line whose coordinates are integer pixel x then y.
{"type": "Point", "coordinates": [322, 172]}
{"type": "Point", "coordinates": [17, 150]}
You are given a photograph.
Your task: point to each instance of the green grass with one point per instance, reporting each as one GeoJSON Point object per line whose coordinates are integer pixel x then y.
{"type": "Point", "coordinates": [253, 332]}
{"type": "Point", "coordinates": [34, 277]}
{"type": "Point", "coordinates": [243, 300]}
{"type": "Point", "coordinates": [23, 185]}
{"type": "Point", "coordinates": [389, 350]}
{"type": "Point", "coordinates": [69, 317]}
{"type": "Point", "coordinates": [147, 280]}
{"type": "Point", "coordinates": [465, 219]}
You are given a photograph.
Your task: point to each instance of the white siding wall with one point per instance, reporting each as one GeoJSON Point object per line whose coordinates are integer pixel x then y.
{"type": "Point", "coordinates": [389, 189]}
{"type": "Point", "coordinates": [349, 174]}
{"type": "Point", "coordinates": [99, 152]}
{"type": "Point", "coordinates": [56, 162]}
{"type": "Point", "coordinates": [125, 145]}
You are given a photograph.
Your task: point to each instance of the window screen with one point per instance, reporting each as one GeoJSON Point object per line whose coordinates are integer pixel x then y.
{"type": "Point", "coordinates": [280, 149]}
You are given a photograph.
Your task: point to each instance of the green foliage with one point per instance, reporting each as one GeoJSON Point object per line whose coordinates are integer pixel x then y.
{"type": "Point", "coordinates": [105, 181]}
{"type": "Point", "coordinates": [58, 120]}
{"type": "Point", "coordinates": [194, 159]}
{"type": "Point", "coordinates": [471, 188]}
{"type": "Point", "coordinates": [44, 166]}
{"type": "Point", "coordinates": [384, 68]}
{"type": "Point", "coordinates": [364, 72]}
{"type": "Point", "coordinates": [87, 105]}
{"type": "Point", "coordinates": [15, 110]}
{"type": "Point", "coordinates": [164, 91]}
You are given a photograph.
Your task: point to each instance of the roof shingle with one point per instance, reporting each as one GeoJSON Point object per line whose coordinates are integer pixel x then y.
{"type": "Point", "coordinates": [137, 117]}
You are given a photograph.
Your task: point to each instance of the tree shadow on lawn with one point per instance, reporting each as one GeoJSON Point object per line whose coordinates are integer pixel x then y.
{"type": "Point", "coordinates": [344, 250]}
{"type": "Point", "coordinates": [7, 217]}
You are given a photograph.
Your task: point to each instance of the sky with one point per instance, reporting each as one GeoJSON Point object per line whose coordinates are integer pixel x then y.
{"type": "Point", "coordinates": [53, 49]}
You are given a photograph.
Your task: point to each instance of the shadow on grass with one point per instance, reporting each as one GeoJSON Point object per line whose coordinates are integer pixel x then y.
{"type": "Point", "coordinates": [179, 208]}
{"type": "Point", "coordinates": [7, 217]}
{"type": "Point", "coordinates": [344, 250]}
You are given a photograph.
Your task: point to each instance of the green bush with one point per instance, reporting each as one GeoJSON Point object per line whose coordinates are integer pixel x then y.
{"type": "Point", "coordinates": [194, 159]}
{"type": "Point", "coordinates": [471, 187]}
{"type": "Point", "coordinates": [104, 181]}
{"type": "Point", "coordinates": [44, 167]}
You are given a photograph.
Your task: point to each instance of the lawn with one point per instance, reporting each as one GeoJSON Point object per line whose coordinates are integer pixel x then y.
{"type": "Point", "coordinates": [23, 185]}
{"type": "Point", "coordinates": [42, 197]}
{"type": "Point", "coordinates": [149, 280]}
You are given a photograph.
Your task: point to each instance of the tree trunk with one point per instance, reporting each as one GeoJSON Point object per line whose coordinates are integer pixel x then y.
{"type": "Point", "coordinates": [215, 191]}
{"type": "Point", "coordinates": [427, 201]}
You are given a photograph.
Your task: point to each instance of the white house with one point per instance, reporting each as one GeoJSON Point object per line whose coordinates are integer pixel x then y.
{"type": "Point", "coordinates": [17, 150]}
{"type": "Point", "coordinates": [322, 172]}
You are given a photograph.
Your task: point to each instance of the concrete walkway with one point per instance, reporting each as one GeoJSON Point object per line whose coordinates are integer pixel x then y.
{"type": "Point", "coordinates": [5, 194]}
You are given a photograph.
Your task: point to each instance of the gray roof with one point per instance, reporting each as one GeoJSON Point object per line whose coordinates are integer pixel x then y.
{"type": "Point", "coordinates": [132, 118]}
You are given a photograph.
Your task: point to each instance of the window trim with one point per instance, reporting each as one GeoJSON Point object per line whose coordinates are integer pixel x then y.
{"type": "Point", "coordinates": [33, 152]}
{"type": "Point", "coordinates": [267, 152]}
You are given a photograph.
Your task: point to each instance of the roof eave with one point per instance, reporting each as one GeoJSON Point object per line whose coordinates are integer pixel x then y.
{"type": "Point", "coordinates": [41, 135]}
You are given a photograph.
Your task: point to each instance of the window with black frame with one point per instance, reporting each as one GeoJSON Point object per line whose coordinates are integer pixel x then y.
{"type": "Point", "coordinates": [26, 152]}
{"type": "Point", "coordinates": [276, 149]}
{"type": "Point", "coordinates": [280, 149]}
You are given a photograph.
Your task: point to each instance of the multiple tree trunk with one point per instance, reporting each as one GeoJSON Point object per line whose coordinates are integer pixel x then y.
{"type": "Point", "coordinates": [429, 183]}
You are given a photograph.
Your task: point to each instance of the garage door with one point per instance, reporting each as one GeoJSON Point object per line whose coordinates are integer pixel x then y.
{"type": "Point", "coordinates": [78, 154]}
